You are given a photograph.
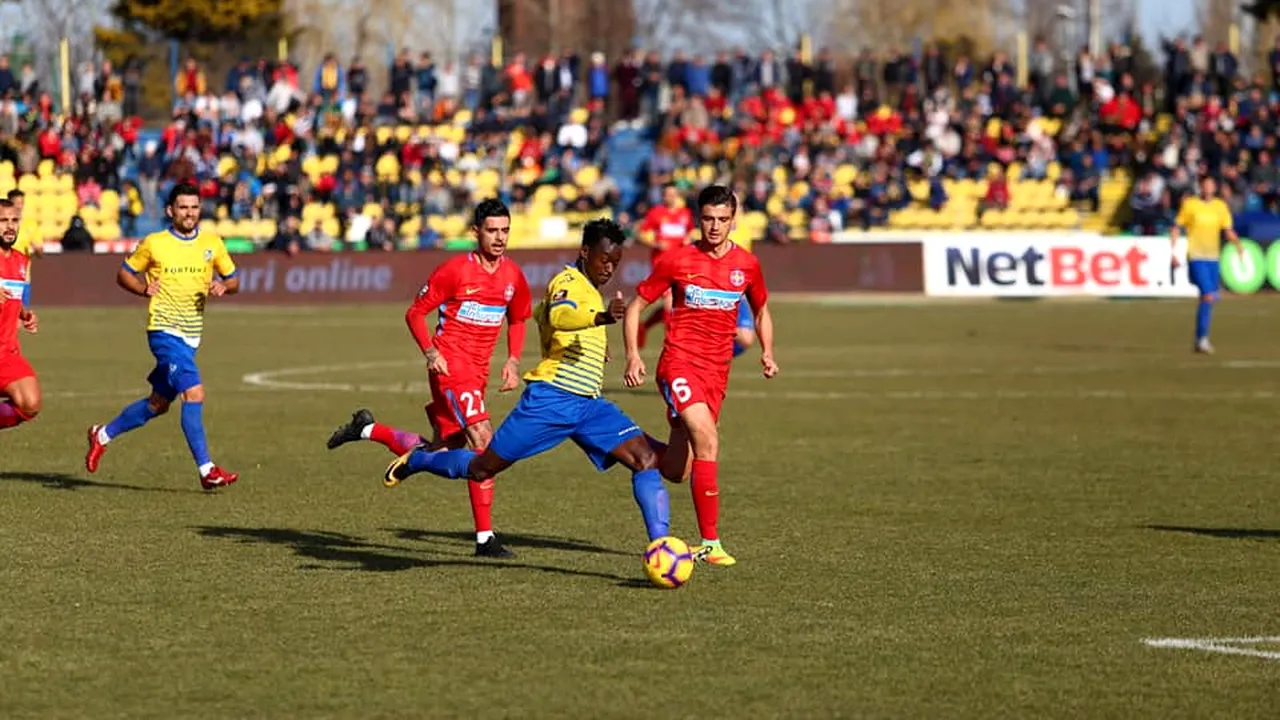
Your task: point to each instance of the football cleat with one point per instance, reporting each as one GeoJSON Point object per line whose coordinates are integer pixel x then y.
{"type": "Point", "coordinates": [491, 548]}
{"type": "Point", "coordinates": [217, 477]}
{"type": "Point", "coordinates": [350, 432]}
{"type": "Point", "coordinates": [96, 450]}
{"type": "Point", "coordinates": [397, 471]}
{"type": "Point", "coordinates": [714, 555]}
{"type": "Point", "coordinates": [1204, 346]}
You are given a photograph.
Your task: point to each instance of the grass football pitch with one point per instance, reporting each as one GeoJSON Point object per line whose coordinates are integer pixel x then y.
{"type": "Point", "coordinates": [940, 510]}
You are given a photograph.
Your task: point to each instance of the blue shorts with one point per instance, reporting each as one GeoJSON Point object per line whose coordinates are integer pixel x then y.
{"type": "Point", "coordinates": [1205, 275]}
{"type": "Point", "coordinates": [746, 321]}
{"type": "Point", "coordinates": [175, 371]}
{"type": "Point", "coordinates": [547, 416]}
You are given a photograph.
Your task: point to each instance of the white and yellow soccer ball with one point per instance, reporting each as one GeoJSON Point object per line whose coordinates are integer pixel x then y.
{"type": "Point", "coordinates": [668, 562]}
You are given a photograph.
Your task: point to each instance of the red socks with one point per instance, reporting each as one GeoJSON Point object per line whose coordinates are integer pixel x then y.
{"type": "Point", "coordinates": [398, 442]}
{"type": "Point", "coordinates": [657, 317]}
{"type": "Point", "coordinates": [706, 498]}
{"type": "Point", "coordinates": [481, 504]}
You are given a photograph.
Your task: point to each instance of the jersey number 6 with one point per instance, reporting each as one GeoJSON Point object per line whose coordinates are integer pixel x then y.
{"type": "Point", "coordinates": [680, 388]}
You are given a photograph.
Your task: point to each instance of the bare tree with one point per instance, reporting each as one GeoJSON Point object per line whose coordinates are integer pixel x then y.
{"type": "Point", "coordinates": [52, 20]}
{"type": "Point", "coordinates": [1214, 18]}
{"type": "Point", "coordinates": [374, 29]}
{"type": "Point", "coordinates": [885, 24]}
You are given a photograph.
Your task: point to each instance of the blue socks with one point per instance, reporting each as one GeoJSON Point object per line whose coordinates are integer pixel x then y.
{"type": "Point", "coordinates": [193, 428]}
{"type": "Point", "coordinates": [738, 349]}
{"type": "Point", "coordinates": [1204, 314]}
{"type": "Point", "coordinates": [655, 505]}
{"type": "Point", "coordinates": [452, 464]}
{"type": "Point", "coordinates": [131, 418]}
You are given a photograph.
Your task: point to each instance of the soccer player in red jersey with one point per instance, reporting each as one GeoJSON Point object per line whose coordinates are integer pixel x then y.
{"type": "Point", "coordinates": [707, 280]}
{"type": "Point", "coordinates": [19, 389]}
{"type": "Point", "coordinates": [473, 293]}
{"type": "Point", "coordinates": [670, 225]}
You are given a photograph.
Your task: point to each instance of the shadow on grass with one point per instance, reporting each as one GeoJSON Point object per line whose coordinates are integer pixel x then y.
{"type": "Point", "coordinates": [544, 542]}
{"type": "Point", "coordinates": [1224, 533]}
{"type": "Point", "coordinates": [336, 551]}
{"type": "Point", "coordinates": [62, 481]}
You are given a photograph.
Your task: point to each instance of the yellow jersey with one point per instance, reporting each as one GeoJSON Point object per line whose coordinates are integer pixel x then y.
{"type": "Point", "coordinates": [184, 267]}
{"type": "Point", "coordinates": [1204, 220]}
{"type": "Point", "coordinates": [28, 237]}
{"type": "Point", "coordinates": [573, 346]}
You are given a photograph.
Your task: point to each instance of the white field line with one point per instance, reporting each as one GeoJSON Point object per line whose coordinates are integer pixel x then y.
{"type": "Point", "coordinates": [1224, 646]}
{"type": "Point", "coordinates": [290, 379]}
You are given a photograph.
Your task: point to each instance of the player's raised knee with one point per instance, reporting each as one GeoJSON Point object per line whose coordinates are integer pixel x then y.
{"type": "Point", "coordinates": [194, 395]}
{"type": "Point", "coordinates": [159, 404]}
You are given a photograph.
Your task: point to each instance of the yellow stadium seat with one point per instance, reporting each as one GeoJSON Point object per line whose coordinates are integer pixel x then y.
{"type": "Point", "coordinates": [797, 218]}
{"type": "Point", "coordinates": [264, 229]}
{"type": "Point", "coordinates": [225, 228]}
{"type": "Point", "coordinates": [6, 169]}
{"type": "Point", "coordinates": [28, 183]}
{"type": "Point", "coordinates": [387, 167]}
{"type": "Point", "coordinates": [462, 118]}
{"type": "Point", "coordinates": [108, 232]}
{"type": "Point", "coordinates": [382, 135]}
{"type": "Point", "coordinates": [46, 168]}
{"type": "Point", "coordinates": [452, 177]}
{"type": "Point", "coordinates": [454, 226]}
{"type": "Point", "coordinates": [436, 223]}
{"type": "Point", "coordinates": [569, 193]}
{"type": "Point", "coordinates": [329, 164]}
{"type": "Point", "coordinates": [228, 164]}
{"type": "Point", "coordinates": [328, 211]}
{"type": "Point", "coordinates": [331, 227]}
{"type": "Point", "coordinates": [587, 176]}
{"type": "Point", "coordinates": [411, 227]}
{"type": "Point", "coordinates": [307, 225]}
{"type": "Point", "coordinates": [90, 214]}
{"type": "Point", "coordinates": [282, 153]}
{"type": "Point", "coordinates": [373, 210]}
{"type": "Point", "coordinates": [403, 133]}
{"type": "Point", "coordinates": [845, 175]}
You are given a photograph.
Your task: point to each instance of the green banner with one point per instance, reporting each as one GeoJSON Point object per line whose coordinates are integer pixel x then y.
{"type": "Point", "coordinates": [1248, 273]}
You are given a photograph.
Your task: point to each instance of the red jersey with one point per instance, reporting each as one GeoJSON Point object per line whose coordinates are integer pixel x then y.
{"type": "Point", "coordinates": [670, 227]}
{"type": "Point", "coordinates": [13, 285]}
{"type": "Point", "coordinates": [705, 296]}
{"type": "Point", "coordinates": [472, 303]}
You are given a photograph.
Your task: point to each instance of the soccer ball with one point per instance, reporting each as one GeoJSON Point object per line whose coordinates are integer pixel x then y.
{"type": "Point", "coordinates": [668, 562]}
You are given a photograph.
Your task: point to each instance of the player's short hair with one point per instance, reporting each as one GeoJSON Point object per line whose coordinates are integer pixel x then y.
{"type": "Point", "coordinates": [491, 207]}
{"type": "Point", "coordinates": [6, 203]}
{"type": "Point", "coordinates": [717, 195]}
{"type": "Point", "coordinates": [179, 190]}
{"type": "Point", "coordinates": [14, 194]}
{"type": "Point", "coordinates": [602, 230]}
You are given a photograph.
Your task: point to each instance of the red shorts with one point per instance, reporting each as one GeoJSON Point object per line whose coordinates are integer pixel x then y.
{"type": "Point", "coordinates": [683, 386]}
{"type": "Point", "coordinates": [13, 367]}
{"type": "Point", "coordinates": [457, 402]}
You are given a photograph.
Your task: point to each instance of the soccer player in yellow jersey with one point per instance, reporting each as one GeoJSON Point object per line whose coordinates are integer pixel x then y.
{"type": "Point", "coordinates": [178, 269]}
{"type": "Point", "coordinates": [29, 241]}
{"type": "Point", "coordinates": [562, 399]}
{"type": "Point", "coordinates": [1206, 219]}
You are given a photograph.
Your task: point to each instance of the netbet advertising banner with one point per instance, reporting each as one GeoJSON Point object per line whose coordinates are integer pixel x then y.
{"type": "Point", "coordinates": [1257, 269]}
{"type": "Point", "coordinates": [1052, 265]}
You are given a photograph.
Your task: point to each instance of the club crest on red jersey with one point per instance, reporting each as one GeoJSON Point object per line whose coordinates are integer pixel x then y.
{"type": "Point", "coordinates": [737, 278]}
{"type": "Point", "coordinates": [509, 292]}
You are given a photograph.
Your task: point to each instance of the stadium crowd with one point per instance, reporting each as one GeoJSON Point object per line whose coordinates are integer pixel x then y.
{"type": "Point", "coordinates": [325, 160]}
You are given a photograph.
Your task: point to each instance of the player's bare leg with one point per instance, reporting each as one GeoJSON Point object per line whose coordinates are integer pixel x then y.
{"type": "Point", "coordinates": [133, 417]}
{"type": "Point", "coordinates": [24, 402]}
{"type": "Point", "coordinates": [639, 455]}
{"type": "Point", "coordinates": [478, 437]}
{"type": "Point", "coordinates": [675, 460]}
{"type": "Point", "coordinates": [704, 438]}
